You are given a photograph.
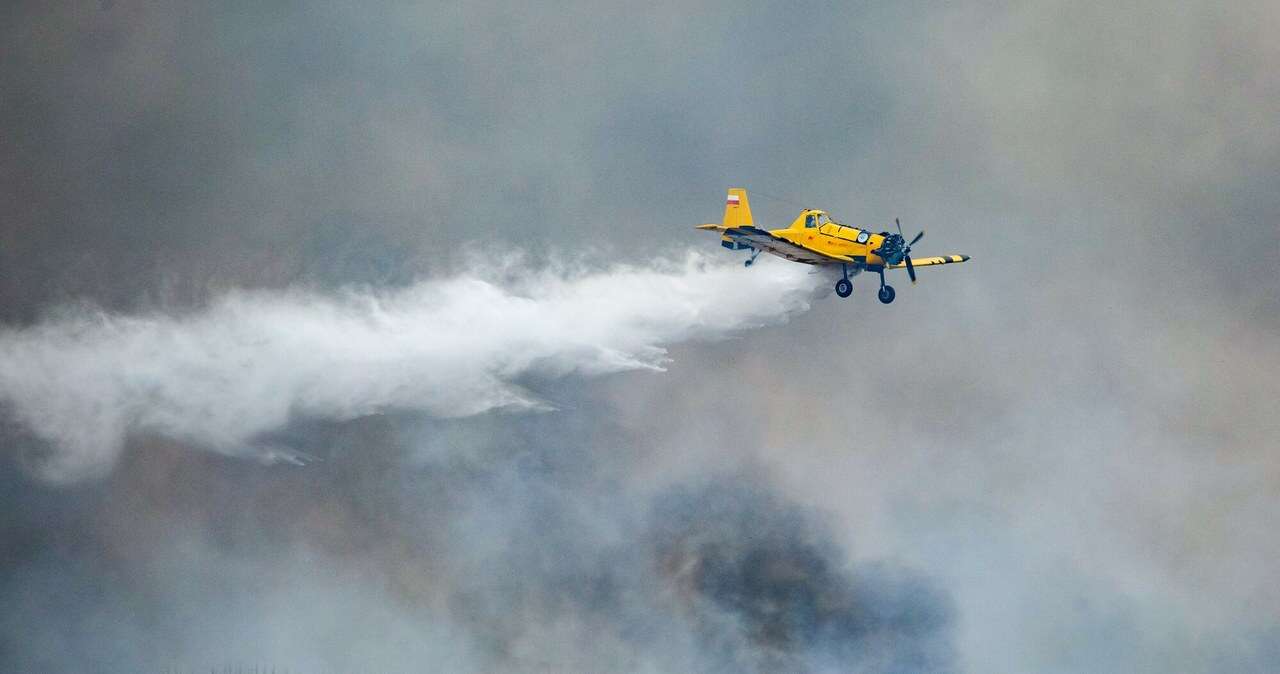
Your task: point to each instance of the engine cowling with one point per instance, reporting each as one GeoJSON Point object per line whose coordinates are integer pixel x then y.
{"type": "Point", "coordinates": [893, 249]}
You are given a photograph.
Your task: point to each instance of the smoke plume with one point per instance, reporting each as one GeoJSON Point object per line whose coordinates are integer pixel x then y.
{"type": "Point", "coordinates": [227, 376]}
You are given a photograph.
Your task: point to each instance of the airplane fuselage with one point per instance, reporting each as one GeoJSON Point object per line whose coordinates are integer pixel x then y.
{"type": "Point", "coordinates": [833, 239]}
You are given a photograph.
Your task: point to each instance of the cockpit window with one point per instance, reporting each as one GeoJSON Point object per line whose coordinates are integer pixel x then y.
{"type": "Point", "coordinates": [823, 219]}
{"type": "Point", "coordinates": [811, 220]}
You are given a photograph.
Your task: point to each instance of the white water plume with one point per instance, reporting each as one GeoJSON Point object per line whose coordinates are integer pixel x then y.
{"type": "Point", "coordinates": [82, 381]}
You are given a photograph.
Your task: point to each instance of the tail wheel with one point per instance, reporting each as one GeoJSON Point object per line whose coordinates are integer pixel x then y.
{"type": "Point", "coordinates": [844, 287]}
{"type": "Point", "coordinates": [886, 294]}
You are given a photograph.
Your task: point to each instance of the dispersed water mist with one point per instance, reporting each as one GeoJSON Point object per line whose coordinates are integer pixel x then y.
{"type": "Point", "coordinates": [82, 380]}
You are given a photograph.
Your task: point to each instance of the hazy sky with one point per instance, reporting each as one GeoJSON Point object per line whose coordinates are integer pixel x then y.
{"type": "Point", "coordinates": [1060, 456]}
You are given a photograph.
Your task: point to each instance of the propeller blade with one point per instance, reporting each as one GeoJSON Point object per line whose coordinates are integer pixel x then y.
{"type": "Point", "coordinates": [899, 224]}
{"type": "Point", "coordinates": [918, 237]}
{"type": "Point", "coordinates": [911, 270]}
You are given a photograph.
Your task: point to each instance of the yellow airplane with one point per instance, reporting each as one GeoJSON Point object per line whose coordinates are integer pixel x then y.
{"type": "Point", "coordinates": [814, 238]}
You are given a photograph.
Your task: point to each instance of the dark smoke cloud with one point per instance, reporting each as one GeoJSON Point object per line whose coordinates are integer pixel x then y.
{"type": "Point", "coordinates": [514, 559]}
{"type": "Point", "coordinates": [777, 572]}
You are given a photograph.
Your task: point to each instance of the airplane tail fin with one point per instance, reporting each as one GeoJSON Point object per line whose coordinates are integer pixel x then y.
{"type": "Point", "coordinates": [737, 212]}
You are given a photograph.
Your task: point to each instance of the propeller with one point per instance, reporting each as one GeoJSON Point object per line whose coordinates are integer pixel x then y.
{"type": "Point", "coordinates": [906, 250]}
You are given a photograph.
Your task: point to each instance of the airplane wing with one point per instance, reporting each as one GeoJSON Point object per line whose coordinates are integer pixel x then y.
{"type": "Point", "coordinates": [763, 240]}
{"type": "Point", "coordinates": [930, 261]}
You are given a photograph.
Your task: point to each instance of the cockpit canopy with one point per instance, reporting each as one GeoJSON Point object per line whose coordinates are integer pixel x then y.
{"type": "Point", "coordinates": [816, 219]}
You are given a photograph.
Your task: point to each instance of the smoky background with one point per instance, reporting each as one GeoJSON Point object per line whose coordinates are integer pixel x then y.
{"type": "Point", "coordinates": [1059, 456]}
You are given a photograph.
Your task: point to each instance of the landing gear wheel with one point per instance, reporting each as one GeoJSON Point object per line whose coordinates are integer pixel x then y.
{"type": "Point", "coordinates": [748, 262]}
{"type": "Point", "coordinates": [844, 287]}
{"type": "Point", "coordinates": [886, 294]}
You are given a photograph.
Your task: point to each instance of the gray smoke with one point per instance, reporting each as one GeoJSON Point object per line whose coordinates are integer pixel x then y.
{"type": "Point", "coordinates": [520, 557]}
{"type": "Point", "coordinates": [1073, 435]}
{"type": "Point", "coordinates": [743, 551]}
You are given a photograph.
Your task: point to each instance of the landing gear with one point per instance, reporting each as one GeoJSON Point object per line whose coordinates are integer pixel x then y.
{"type": "Point", "coordinates": [886, 293]}
{"type": "Point", "coordinates": [755, 252]}
{"type": "Point", "coordinates": [844, 287]}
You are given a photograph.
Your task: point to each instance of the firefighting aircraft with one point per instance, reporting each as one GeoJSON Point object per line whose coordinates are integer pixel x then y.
{"type": "Point", "coordinates": [814, 238]}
